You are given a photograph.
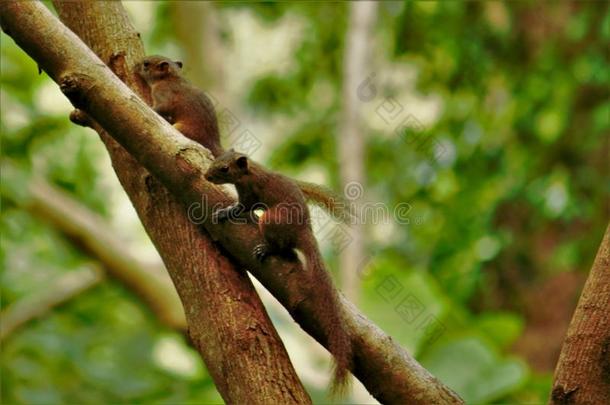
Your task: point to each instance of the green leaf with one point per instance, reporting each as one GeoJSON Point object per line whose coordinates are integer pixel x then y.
{"type": "Point", "coordinates": [502, 327]}
{"type": "Point", "coordinates": [474, 370]}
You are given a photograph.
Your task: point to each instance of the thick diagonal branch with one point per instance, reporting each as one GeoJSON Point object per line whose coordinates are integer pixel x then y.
{"type": "Point", "coordinates": [387, 370]}
{"type": "Point", "coordinates": [226, 320]}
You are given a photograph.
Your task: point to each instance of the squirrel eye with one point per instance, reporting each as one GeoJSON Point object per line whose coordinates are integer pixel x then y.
{"type": "Point", "coordinates": [146, 64]}
{"type": "Point", "coordinates": [224, 169]}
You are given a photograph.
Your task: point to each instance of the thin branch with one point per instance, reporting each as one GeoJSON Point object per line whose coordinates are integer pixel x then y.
{"type": "Point", "coordinates": [59, 291]}
{"type": "Point", "coordinates": [151, 284]}
{"type": "Point", "coordinates": [582, 375]}
{"type": "Point", "coordinates": [91, 232]}
{"type": "Point", "coordinates": [388, 371]}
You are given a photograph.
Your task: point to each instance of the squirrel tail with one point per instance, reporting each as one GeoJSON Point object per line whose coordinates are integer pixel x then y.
{"type": "Point", "coordinates": [336, 205]}
{"type": "Point", "coordinates": [331, 315]}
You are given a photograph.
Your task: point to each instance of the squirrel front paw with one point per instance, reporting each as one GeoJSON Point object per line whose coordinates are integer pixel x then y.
{"type": "Point", "coordinates": [260, 252]}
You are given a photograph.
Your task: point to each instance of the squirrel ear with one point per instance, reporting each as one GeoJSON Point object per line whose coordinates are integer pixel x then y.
{"type": "Point", "coordinates": [242, 162]}
{"type": "Point", "coordinates": [179, 64]}
{"type": "Point", "coordinates": [163, 66]}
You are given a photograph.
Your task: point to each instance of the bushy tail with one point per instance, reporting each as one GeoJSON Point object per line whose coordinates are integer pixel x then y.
{"type": "Point", "coordinates": [336, 205]}
{"type": "Point", "coordinates": [332, 318]}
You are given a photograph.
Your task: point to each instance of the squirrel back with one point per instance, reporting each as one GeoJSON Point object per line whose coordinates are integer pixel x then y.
{"type": "Point", "coordinates": [192, 113]}
{"type": "Point", "coordinates": [286, 227]}
{"type": "Point", "coordinates": [183, 105]}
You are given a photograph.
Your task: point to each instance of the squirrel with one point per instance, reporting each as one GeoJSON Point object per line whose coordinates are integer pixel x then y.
{"type": "Point", "coordinates": [192, 113]}
{"type": "Point", "coordinates": [182, 104]}
{"type": "Point", "coordinates": [286, 229]}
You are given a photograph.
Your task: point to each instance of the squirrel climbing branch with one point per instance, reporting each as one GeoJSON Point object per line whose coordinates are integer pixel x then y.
{"type": "Point", "coordinates": [221, 306]}
{"type": "Point", "coordinates": [386, 369]}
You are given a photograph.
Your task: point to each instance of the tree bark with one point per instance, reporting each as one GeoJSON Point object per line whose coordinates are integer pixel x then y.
{"type": "Point", "coordinates": [582, 375]}
{"type": "Point", "coordinates": [388, 372]}
{"type": "Point", "coordinates": [227, 323]}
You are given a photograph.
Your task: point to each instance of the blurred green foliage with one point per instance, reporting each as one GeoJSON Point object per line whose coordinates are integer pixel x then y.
{"type": "Point", "coordinates": [518, 193]}
{"type": "Point", "coordinates": [513, 190]}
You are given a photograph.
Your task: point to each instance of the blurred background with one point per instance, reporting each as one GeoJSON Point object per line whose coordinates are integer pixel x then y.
{"type": "Point", "coordinates": [486, 122]}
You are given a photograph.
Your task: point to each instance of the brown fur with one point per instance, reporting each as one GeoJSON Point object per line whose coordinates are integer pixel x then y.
{"type": "Point", "coordinates": [285, 225]}
{"type": "Point", "coordinates": [183, 105]}
{"type": "Point", "coordinates": [191, 112]}
{"type": "Point", "coordinates": [337, 206]}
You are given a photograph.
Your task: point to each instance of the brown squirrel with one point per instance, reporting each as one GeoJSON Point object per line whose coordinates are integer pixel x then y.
{"type": "Point", "coordinates": [286, 228]}
{"type": "Point", "coordinates": [183, 105]}
{"type": "Point", "coordinates": [191, 112]}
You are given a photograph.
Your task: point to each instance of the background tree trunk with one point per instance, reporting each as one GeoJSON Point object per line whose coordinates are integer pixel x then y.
{"type": "Point", "coordinates": [195, 25]}
{"type": "Point", "coordinates": [226, 320]}
{"type": "Point", "coordinates": [582, 375]}
{"type": "Point", "coordinates": [362, 16]}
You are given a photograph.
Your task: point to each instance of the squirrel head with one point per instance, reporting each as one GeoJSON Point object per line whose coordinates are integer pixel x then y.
{"type": "Point", "coordinates": [155, 67]}
{"type": "Point", "coordinates": [229, 167]}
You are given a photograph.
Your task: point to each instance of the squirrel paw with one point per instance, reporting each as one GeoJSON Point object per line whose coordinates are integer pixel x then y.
{"type": "Point", "coordinates": [260, 252]}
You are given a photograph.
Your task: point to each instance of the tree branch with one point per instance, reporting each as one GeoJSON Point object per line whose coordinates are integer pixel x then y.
{"type": "Point", "coordinates": [89, 231]}
{"type": "Point", "coordinates": [227, 322]}
{"type": "Point", "coordinates": [582, 375]}
{"type": "Point", "coordinates": [151, 284]}
{"type": "Point", "coordinates": [387, 370]}
{"type": "Point", "coordinates": [59, 291]}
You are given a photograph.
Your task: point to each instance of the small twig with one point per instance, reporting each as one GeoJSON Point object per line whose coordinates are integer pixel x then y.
{"type": "Point", "coordinates": [151, 283]}
{"type": "Point", "coordinates": [36, 304]}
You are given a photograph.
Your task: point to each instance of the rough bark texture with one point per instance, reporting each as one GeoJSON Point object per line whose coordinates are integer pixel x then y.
{"type": "Point", "coordinates": [582, 375]}
{"type": "Point", "coordinates": [226, 320]}
{"type": "Point", "coordinates": [387, 370]}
